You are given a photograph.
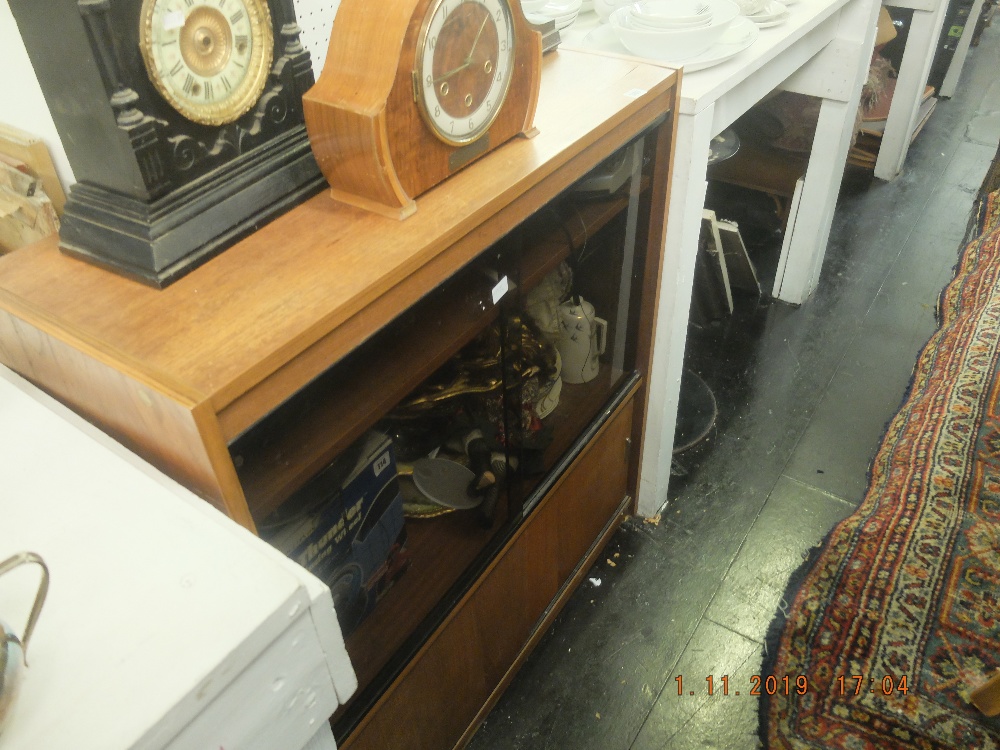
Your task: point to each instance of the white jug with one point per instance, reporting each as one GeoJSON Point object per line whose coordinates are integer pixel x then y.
{"type": "Point", "coordinates": [582, 339]}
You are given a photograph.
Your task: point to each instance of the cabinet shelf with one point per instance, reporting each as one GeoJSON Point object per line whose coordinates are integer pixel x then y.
{"type": "Point", "coordinates": [565, 228]}
{"type": "Point", "coordinates": [290, 446]}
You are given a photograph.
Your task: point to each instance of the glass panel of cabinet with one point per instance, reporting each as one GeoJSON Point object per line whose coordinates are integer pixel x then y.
{"type": "Point", "coordinates": [398, 474]}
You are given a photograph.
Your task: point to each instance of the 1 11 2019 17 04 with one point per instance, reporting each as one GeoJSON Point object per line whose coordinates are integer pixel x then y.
{"type": "Point", "coordinates": [800, 684]}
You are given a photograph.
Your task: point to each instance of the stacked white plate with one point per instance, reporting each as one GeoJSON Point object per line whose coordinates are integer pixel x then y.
{"type": "Point", "coordinates": [563, 12]}
{"type": "Point", "coordinates": [673, 30]}
{"type": "Point", "coordinates": [740, 35]}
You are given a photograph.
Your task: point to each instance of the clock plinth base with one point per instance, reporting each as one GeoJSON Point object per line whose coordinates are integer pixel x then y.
{"type": "Point", "coordinates": [159, 242]}
{"type": "Point", "coordinates": [400, 212]}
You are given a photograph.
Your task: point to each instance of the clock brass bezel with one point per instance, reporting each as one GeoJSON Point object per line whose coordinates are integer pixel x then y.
{"type": "Point", "coordinates": [420, 92]}
{"type": "Point", "coordinates": [244, 95]}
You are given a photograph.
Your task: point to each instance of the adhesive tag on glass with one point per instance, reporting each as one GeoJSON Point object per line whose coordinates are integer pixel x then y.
{"type": "Point", "coordinates": [635, 93]}
{"type": "Point", "coordinates": [173, 20]}
{"type": "Point", "coordinates": [502, 287]}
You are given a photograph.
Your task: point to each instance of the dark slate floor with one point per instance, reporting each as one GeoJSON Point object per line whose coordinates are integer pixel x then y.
{"type": "Point", "coordinates": [804, 394]}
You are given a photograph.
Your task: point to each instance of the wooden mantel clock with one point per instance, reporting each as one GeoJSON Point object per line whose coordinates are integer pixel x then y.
{"type": "Point", "coordinates": [182, 121]}
{"type": "Point", "coordinates": [414, 90]}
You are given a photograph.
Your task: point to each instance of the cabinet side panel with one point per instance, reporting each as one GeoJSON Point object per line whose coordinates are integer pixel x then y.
{"type": "Point", "coordinates": [166, 430]}
{"type": "Point", "coordinates": [652, 279]}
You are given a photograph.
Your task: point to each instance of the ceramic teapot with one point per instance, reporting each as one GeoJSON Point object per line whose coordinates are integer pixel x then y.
{"type": "Point", "coordinates": [582, 339]}
{"type": "Point", "coordinates": [13, 657]}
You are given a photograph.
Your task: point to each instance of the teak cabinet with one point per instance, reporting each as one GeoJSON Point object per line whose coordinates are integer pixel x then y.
{"type": "Point", "coordinates": [245, 379]}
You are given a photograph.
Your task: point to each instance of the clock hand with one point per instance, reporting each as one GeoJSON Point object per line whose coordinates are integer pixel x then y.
{"type": "Point", "coordinates": [450, 73]}
{"type": "Point", "coordinates": [475, 42]}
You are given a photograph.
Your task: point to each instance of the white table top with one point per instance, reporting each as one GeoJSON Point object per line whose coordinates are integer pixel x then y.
{"type": "Point", "coordinates": [822, 48]}
{"type": "Point", "coordinates": [806, 21]}
{"type": "Point", "coordinates": [157, 602]}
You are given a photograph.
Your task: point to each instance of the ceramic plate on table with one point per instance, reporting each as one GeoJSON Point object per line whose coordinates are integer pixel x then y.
{"type": "Point", "coordinates": [556, 8]}
{"type": "Point", "coordinates": [560, 23]}
{"type": "Point", "coordinates": [741, 34]}
{"type": "Point", "coordinates": [772, 14]}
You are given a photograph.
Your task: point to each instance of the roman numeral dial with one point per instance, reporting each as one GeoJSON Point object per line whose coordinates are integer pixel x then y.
{"type": "Point", "coordinates": [208, 58]}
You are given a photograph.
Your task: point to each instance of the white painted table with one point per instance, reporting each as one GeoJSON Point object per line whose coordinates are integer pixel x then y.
{"type": "Point", "coordinates": [954, 72]}
{"type": "Point", "coordinates": [914, 67]}
{"type": "Point", "coordinates": [166, 624]}
{"type": "Point", "coordinates": [823, 49]}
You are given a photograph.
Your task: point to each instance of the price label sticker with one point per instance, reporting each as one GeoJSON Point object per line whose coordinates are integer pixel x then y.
{"type": "Point", "coordinates": [502, 287]}
{"type": "Point", "coordinates": [173, 20]}
{"type": "Point", "coordinates": [635, 93]}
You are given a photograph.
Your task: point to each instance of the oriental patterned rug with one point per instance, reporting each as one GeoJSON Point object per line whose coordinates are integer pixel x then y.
{"type": "Point", "coordinates": [896, 619]}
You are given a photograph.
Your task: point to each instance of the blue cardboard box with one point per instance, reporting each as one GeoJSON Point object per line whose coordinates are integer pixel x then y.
{"type": "Point", "coordinates": [348, 529]}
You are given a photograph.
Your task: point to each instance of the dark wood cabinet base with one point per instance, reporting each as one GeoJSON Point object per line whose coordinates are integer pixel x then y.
{"type": "Point", "coordinates": [448, 688]}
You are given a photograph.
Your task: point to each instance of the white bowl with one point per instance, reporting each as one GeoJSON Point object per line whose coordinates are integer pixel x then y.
{"type": "Point", "coordinates": [558, 8]}
{"type": "Point", "coordinates": [604, 8]}
{"type": "Point", "coordinates": [639, 23]}
{"type": "Point", "coordinates": [673, 44]}
{"type": "Point", "coordinates": [664, 13]}
{"type": "Point", "coordinates": [723, 11]}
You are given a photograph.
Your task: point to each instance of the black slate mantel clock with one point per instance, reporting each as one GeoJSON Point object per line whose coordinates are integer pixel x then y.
{"type": "Point", "coordinates": [182, 120]}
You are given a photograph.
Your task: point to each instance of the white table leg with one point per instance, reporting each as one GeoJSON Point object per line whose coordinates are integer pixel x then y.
{"type": "Point", "coordinates": [921, 43]}
{"type": "Point", "coordinates": [809, 225]}
{"type": "Point", "coordinates": [687, 201]}
{"type": "Point", "coordinates": [950, 82]}
{"type": "Point", "coordinates": [809, 222]}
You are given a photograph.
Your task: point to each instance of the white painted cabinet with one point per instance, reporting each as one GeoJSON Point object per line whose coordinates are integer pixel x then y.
{"type": "Point", "coordinates": [166, 624]}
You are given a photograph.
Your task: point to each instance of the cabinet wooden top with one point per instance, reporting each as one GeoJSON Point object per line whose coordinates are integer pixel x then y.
{"type": "Point", "coordinates": [325, 274]}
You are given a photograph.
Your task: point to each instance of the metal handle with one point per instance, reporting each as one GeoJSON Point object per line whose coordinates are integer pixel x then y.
{"type": "Point", "coordinates": [22, 558]}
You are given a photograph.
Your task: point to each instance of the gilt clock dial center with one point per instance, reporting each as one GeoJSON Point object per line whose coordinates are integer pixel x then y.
{"type": "Point", "coordinates": [206, 42]}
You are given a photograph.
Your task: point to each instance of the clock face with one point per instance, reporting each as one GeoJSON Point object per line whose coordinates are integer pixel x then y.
{"type": "Point", "coordinates": [208, 58]}
{"type": "Point", "coordinates": [465, 59]}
